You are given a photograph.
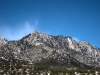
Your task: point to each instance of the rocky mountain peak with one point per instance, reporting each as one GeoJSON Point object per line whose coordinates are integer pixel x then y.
{"type": "Point", "coordinates": [38, 35]}
{"type": "Point", "coordinates": [36, 32]}
{"type": "Point", "coordinates": [40, 47]}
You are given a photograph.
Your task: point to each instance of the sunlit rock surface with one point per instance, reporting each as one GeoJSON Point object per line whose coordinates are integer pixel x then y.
{"type": "Point", "coordinates": [50, 50]}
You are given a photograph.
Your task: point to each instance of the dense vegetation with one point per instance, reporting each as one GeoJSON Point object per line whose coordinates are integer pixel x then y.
{"type": "Point", "coordinates": [20, 68]}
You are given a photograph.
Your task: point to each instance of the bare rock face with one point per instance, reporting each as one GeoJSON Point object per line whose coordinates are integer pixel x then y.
{"type": "Point", "coordinates": [2, 41]}
{"type": "Point", "coordinates": [51, 50]}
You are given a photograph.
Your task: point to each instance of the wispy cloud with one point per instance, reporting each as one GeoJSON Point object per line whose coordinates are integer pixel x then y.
{"type": "Point", "coordinates": [76, 39]}
{"type": "Point", "coordinates": [17, 32]}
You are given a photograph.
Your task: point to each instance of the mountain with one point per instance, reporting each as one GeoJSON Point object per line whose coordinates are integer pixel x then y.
{"type": "Point", "coordinates": [50, 51]}
{"type": "Point", "coordinates": [2, 41]}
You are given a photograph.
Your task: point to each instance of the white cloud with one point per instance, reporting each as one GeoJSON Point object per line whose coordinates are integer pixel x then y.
{"type": "Point", "coordinates": [16, 33]}
{"type": "Point", "coordinates": [76, 39]}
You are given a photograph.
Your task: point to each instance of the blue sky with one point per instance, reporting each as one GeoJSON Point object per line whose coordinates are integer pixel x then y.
{"type": "Point", "coordinates": [79, 19]}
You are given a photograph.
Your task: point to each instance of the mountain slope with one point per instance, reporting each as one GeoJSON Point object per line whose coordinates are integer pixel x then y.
{"type": "Point", "coordinates": [2, 41]}
{"type": "Point", "coordinates": [58, 51]}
